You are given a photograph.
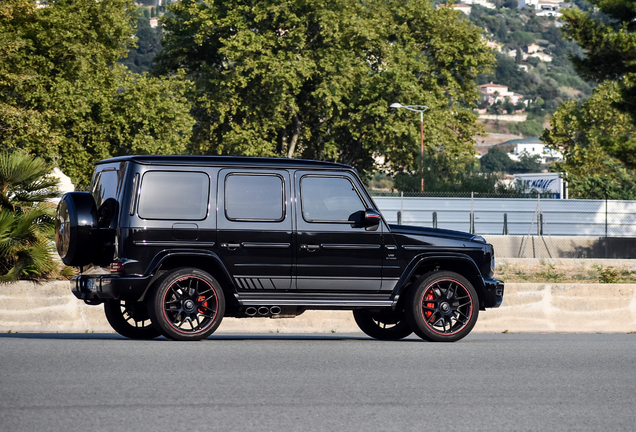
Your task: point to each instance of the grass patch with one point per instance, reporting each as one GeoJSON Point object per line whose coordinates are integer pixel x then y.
{"type": "Point", "coordinates": [549, 272]}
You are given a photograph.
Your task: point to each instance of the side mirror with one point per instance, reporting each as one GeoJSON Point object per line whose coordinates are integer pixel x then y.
{"type": "Point", "coordinates": [372, 219]}
{"type": "Point", "coordinates": [368, 219]}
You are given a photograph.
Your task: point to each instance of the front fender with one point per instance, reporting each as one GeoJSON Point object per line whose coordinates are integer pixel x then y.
{"type": "Point", "coordinates": [471, 271]}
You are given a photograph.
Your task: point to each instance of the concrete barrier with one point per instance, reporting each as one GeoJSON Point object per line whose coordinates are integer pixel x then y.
{"type": "Point", "coordinates": [528, 307]}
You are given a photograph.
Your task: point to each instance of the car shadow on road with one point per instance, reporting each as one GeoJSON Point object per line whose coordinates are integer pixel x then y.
{"type": "Point", "coordinates": [216, 337]}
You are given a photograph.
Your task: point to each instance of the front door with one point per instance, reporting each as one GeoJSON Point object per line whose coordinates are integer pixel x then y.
{"type": "Point", "coordinates": [334, 254]}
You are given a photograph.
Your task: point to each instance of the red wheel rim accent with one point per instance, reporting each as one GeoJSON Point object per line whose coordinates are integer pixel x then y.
{"type": "Point", "coordinates": [186, 305]}
{"type": "Point", "coordinates": [446, 307]}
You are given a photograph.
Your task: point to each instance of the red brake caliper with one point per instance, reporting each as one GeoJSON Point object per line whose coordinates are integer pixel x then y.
{"type": "Point", "coordinates": [429, 296]}
{"type": "Point", "coordinates": [199, 300]}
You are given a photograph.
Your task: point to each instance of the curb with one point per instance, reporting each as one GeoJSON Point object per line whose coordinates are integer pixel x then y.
{"type": "Point", "coordinates": [527, 308]}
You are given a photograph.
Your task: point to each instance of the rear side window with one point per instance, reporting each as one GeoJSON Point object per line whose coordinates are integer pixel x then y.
{"type": "Point", "coordinates": [174, 195]}
{"type": "Point", "coordinates": [254, 197]}
{"type": "Point", "coordinates": [106, 185]}
{"type": "Point", "coordinates": [328, 199]}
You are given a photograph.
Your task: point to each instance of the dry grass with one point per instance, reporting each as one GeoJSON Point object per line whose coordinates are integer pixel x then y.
{"type": "Point", "coordinates": [581, 272]}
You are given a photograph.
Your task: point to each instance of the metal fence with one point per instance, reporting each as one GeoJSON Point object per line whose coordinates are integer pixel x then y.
{"type": "Point", "coordinates": [596, 223]}
{"type": "Point", "coordinates": [514, 216]}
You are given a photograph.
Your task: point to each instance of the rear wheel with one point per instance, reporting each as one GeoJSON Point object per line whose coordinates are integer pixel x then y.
{"type": "Point", "coordinates": [130, 319]}
{"type": "Point", "coordinates": [383, 324]}
{"type": "Point", "coordinates": [187, 304]}
{"type": "Point", "coordinates": [442, 307]}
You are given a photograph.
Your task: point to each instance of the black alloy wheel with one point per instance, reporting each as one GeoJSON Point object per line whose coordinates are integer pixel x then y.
{"type": "Point", "coordinates": [187, 304]}
{"type": "Point", "coordinates": [442, 307]}
{"type": "Point", "coordinates": [130, 319]}
{"type": "Point", "coordinates": [384, 324]}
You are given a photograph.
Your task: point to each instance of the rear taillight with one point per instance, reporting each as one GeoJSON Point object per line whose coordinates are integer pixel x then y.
{"type": "Point", "coordinates": [116, 266]}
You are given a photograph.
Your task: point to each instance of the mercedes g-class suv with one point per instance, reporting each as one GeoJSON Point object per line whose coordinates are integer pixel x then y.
{"type": "Point", "coordinates": [172, 244]}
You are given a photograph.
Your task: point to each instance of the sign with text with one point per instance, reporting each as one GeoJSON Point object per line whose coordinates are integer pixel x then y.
{"type": "Point", "coordinates": [550, 183]}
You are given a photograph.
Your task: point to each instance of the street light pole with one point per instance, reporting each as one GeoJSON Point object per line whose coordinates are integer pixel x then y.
{"type": "Point", "coordinates": [421, 111]}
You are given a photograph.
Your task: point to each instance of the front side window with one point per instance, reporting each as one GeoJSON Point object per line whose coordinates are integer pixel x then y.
{"type": "Point", "coordinates": [254, 197]}
{"type": "Point", "coordinates": [329, 199]}
{"type": "Point", "coordinates": [174, 195]}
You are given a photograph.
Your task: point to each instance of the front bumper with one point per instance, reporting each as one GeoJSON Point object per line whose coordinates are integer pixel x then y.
{"type": "Point", "coordinates": [494, 292]}
{"type": "Point", "coordinates": [98, 288]}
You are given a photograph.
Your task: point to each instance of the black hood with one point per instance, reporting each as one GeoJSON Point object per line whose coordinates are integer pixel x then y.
{"type": "Point", "coordinates": [435, 232]}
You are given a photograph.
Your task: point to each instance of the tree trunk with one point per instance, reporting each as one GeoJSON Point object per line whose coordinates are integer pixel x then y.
{"type": "Point", "coordinates": [294, 138]}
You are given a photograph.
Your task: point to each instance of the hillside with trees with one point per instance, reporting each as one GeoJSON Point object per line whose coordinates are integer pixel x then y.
{"type": "Point", "coordinates": [546, 84]}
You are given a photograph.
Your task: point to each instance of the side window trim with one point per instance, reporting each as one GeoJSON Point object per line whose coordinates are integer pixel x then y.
{"type": "Point", "coordinates": [140, 193]}
{"type": "Point", "coordinates": [254, 174]}
{"type": "Point", "coordinates": [135, 194]}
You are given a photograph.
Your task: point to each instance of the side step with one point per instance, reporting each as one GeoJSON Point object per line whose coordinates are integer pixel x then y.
{"type": "Point", "coordinates": [313, 301]}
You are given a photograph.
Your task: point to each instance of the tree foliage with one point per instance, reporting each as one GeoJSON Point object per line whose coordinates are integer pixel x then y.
{"type": "Point", "coordinates": [63, 96]}
{"type": "Point", "coordinates": [598, 142]}
{"type": "Point", "coordinates": [496, 160]}
{"type": "Point", "coordinates": [140, 57]}
{"type": "Point", "coordinates": [314, 79]}
{"type": "Point", "coordinates": [26, 220]}
{"type": "Point", "coordinates": [608, 37]}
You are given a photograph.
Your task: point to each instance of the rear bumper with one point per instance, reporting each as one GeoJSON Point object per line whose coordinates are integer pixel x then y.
{"type": "Point", "coordinates": [98, 288]}
{"type": "Point", "coordinates": [494, 292]}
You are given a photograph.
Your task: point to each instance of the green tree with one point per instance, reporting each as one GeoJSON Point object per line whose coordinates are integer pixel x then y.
{"type": "Point", "coordinates": [140, 58]}
{"type": "Point", "coordinates": [63, 96]}
{"type": "Point", "coordinates": [598, 142]}
{"type": "Point", "coordinates": [527, 163]}
{"type": "Point", "coordinates": [609, 42]}
{"type": "Point", "coordinates": [496, 160]}
{"type": "Point", "coordinates": [438, 178]}
{"type": "Point", "coordinates": [26, 220]}
{"type": "Point", "coordinates": [315, 79]}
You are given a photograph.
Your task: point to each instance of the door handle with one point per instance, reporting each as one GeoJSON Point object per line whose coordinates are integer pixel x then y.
{"type": "Point", "coordinates": [310, 248]}
{"type": "Point", "coordinates": [231, 246]}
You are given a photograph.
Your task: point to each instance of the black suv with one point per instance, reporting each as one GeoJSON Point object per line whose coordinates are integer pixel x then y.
{"type": "Point", "coordinates": [172, 244]}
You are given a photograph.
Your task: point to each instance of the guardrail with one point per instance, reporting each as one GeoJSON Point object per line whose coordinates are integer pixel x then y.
{"type": "Point", "coordinates": [514, 216]}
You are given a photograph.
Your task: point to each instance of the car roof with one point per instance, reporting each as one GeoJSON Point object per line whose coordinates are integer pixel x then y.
{"type": "Point", "coordinates": [242, 161]}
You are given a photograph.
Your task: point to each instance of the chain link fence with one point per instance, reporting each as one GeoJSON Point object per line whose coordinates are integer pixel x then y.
{"type": "Point", "coordinates": [528, 226]}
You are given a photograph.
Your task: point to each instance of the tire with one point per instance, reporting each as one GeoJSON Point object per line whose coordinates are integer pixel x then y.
{"type": "Point", "coordinates": [383, 325]}
{"type": "Point", "coordinates": [442, 307]}
{"type": "Point", "coordinates": [187, 304]}
{"type": "Point", "coordinates": [130, 319]}
{"type": "Point", "coordinates": [75, 222]}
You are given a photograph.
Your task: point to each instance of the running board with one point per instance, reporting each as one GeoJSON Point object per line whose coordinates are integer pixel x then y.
{"type": "Point", "coordinates": [317, 303]}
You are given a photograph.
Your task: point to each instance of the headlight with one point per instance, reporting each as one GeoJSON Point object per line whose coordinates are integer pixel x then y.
{"type": "Point", "coordinates": [479, 239]}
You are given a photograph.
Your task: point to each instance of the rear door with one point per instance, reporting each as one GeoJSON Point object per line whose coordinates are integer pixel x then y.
{"type": "Point", "coordinates": [255, 227]}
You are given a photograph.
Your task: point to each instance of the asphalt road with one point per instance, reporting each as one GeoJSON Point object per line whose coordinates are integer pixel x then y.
{"type": "Point", "coordinates": [277, 382]}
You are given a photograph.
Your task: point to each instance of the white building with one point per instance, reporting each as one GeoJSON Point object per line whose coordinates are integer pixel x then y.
{"type": "Point", "coordinates": [541, 56]}
{"type": "Point", "coordinates": [554, 5]}
{"type": "Point", "coordinates": [491, 93]}
{"type": "Point", "coordinates": [483, 3]}
{"type": "Point", "coordinates": [539, 149]}
{"type": "Point", "coordinates": [462, 8]}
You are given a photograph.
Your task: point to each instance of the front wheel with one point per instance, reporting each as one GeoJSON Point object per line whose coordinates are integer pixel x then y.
{"type": "Point", "coordinates": [187, 304]}
{"type": "Point", "coordinates": [383, 324]}
{"type": "Point", "coordinates": [442, 307]}
{"type": "Point", "coordinates": [130, 319]}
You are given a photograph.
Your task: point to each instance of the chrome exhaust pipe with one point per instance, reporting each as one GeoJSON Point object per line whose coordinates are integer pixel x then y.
{"type": "Point", "coordinates": [250, 311]}
{"type": "Point", "coordinates": [263, 310]}
{"type": "Point", "coordinates": [275, 310]}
